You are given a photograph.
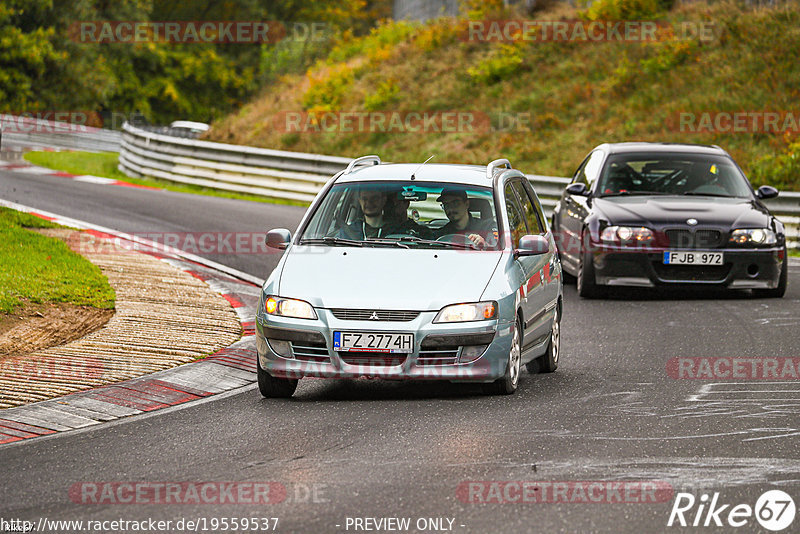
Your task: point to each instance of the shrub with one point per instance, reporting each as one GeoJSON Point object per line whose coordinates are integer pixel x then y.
{"type": "Point", "coordinates": [779, 170]}
{"type": "Point", "coordinates": [626, 9]}
{"type": "Point", "coordinates": [499, 64]}
{"type": "Point", "coordinates": [386, 93]}
{"type": "Point", "coordinates": [327, 88]}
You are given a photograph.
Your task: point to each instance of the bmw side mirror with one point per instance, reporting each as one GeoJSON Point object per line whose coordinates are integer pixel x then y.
{"type": "Point", "coordinates": [766, 191]}
{"type": "Point", "coordinates": [532, 245]}
{"type": "Point", "coordinates": [278, 238]}
{"type": "Point", "coordinates": [578, 188]}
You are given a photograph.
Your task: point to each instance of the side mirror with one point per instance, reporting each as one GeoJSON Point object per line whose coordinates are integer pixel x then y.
{"type": "Point", "coordinates": [532, 245]}
{"type": "Point", "coordinates": [278, 238]}
{"type": "Point", "coordinates": [578, 188]}
{"type": "Point", "coordinates": [766, 191]}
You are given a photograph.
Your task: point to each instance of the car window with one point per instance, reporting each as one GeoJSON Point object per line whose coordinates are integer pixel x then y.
{"type": "Point", "coordinates": [528, 209]}
{"type": "Point", "coordinates": [516, 219]}
{"type": "Point", "coordinates": [403, 211]}
{"type": "Point", "coordinates": [672, 174]}
{"type": "Point", "coordinates": [589, 169]}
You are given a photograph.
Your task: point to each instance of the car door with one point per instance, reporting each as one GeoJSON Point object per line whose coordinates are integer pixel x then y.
{"type": "Point", "coordinates": [575, 209]}
{"type": "Point", "coordinates": [537, 224]}
{"type": "Point", "coordinates": [533, 299]}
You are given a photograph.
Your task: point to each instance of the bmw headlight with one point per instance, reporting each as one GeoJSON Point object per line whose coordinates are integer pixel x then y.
{"type": "Point", "coordinates": [284, 307]}
{"type": "Point", "coordinates": [627, 235]}
{"type": "Point", "coordinates": [462, 313]}
{"type": "Point", "coordinates": [753, 236]}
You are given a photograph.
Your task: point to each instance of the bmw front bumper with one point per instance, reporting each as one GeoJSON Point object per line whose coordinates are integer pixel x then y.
{"type": "Point", "coordinates": [741, 268]}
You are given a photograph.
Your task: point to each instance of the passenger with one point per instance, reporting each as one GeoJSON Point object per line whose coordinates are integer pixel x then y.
{"type": "Point", "coordinates": [456, 206]}
{"type": "Point", "coordinates": [374, 224]}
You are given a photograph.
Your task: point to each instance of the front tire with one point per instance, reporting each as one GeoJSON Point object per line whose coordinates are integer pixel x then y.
{"type": "Point", "coordinates": [586, 282]}
{"type": "Point", "coordinates": [780, 290]}
{"type": "Point", "coordinates": [273, 387]}
{"type": "Point", "coordinates": [507, 384]}
{"type": "Point", "coordinates": [548, 362]}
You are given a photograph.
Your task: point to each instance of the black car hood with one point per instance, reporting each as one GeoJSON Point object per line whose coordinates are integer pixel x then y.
{"type": "Point", "coordinates": [662, 211]}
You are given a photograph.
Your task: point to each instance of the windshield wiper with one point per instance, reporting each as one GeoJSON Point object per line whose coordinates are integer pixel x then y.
{"type": "Point", "coordinates": [694, 193]}
{"type": "Point", "coordinates": [625, 193]}
{"type": "Point", "coordinates": [379, 241]}
{"type": "Point", "coordinates": [421, 241]}
{"type": "Point", "coordinates": [331, 241]}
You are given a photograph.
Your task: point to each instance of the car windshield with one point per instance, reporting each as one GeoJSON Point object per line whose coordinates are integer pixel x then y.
{"type": "Point", "coordinates": [672, 174]}
{"type": "Point", "coordinates": [405, 214]}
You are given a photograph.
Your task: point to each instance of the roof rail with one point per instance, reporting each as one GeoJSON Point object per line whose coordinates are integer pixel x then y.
{"type": "Point", "coordinates": [362, 161]}
{"type": "Point", "coordinates": [490, 168]}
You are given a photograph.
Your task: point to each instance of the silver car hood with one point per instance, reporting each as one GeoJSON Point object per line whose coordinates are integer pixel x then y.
{"type": "Point", "coordinates": [385, 278]}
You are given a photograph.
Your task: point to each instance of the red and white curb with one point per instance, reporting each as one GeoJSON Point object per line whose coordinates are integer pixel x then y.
{"type": "Point", "coordinates": [23, 167]}
{"type": "Point", "coordinates": [228, 369]}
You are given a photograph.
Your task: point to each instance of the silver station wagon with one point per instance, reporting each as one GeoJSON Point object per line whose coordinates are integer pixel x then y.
{"type": "Point", "coordinates": [413, 271]}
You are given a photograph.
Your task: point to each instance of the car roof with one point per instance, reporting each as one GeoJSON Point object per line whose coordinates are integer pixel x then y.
{"type": "Point", "coordinates": [632, 147]}
{"type": "Point", "coordinates": [189, 124]}
{"type": "Point", "coordinates": [430, 172]}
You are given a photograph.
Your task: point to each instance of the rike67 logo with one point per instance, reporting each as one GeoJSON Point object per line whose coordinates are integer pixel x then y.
{"type": "Point", "coordinates": [774, 510]}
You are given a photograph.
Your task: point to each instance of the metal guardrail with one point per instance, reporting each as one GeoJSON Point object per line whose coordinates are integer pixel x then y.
{"type": "Point", "coordinates": [299, 176]}
{"type": "Point", "coordinates": [39, 133]}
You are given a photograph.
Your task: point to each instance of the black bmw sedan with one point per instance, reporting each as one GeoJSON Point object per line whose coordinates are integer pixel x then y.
{"type": "Point", "coordinates": [661, 214]}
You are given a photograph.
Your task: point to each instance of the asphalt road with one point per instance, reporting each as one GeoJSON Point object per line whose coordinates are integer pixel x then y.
{"type": "Point", "coordinates": [375, 449]}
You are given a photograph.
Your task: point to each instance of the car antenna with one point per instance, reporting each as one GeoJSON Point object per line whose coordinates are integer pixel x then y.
{"type": "Point", "coordinates": [423, 163]}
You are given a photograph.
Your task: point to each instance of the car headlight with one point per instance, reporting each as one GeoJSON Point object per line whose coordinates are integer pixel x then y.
{"type": "Point", "coordinates": [283, 307]}
{"type": "Point", "coordinates": [462, 313]}
{"type": "Point", "coordinates": [753, 236]}
{"type": "Point", "coordinates": [627, 235]}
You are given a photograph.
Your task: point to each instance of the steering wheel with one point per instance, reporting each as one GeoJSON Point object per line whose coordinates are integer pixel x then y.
{"type": "Point", "coordinates": [457, 238]}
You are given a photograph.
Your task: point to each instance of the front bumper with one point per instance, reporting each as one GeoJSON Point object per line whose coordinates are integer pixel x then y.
{"type": "Point", "coordinates": [437, 355]}
{"type": "Point", "coordinates": [742, 268]}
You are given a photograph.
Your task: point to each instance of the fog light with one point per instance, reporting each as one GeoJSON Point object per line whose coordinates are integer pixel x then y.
{"type": "Point", "coordinates": [281, 348]}
{"type": "Point", "coordinates": [470, 353]}
{"type": "Point", "coordinates": [752, 270]}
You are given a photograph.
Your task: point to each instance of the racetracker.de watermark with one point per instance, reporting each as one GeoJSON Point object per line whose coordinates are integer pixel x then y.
{"type": "Point", "coordinates": [775, 121]}
{"type": "Point", "coordinates": [567, 492]}
{"type": "Point", "coordinates": [402, 122]}
{"type": "Point", "coordinates": [69, 122]}
{"type": "Point", "coordinates": [195, 31]}
{"type": "Point", "coordinates": [734, 368]}
{"type": "Point", "coordinates": [221, 243]}
{"type": "Point", "coordinates": [133, 492]}
{"type": "Point", "coordinates": [582, 31]}
{"type": "Point", "coordinates": [52, 369]}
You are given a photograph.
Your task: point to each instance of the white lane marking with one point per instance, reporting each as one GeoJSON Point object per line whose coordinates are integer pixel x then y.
{"type": "Point", "coordinates": [76, 223]}
{"type": "Point", "coordinates": [686, 473]}
{"type": "Point", "coordinates": [747, 392]}
{"type": "Point", "coordinates": [88, 178]}
{"type": "Point", "coordinates": [132, 418]}
{"type": "Point", "coordinates": [34, 170]}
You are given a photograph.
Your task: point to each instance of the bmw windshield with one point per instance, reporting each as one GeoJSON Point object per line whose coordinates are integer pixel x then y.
{"type": "Point", "coordinates": [672, 174]}
{"type": "Point", "coordinates": [405, 214]}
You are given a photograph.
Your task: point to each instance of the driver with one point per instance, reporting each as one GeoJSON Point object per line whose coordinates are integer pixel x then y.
{"type": "Point", "coordinates": [456, 206]}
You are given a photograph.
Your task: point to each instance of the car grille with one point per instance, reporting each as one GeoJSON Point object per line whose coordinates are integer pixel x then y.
{"type": "Point", "coordinates": [308, 351]}
{"type": "Point", "coordinates": [382, 315]}
{"type": "Point", "coordinates": [438, 356]}
{"type": "Point", "coordinates": [691, 273]}
{"type": "Point", "coordinates": [372, 359]}
{"type": "Point", "coordinates": [694, 239]}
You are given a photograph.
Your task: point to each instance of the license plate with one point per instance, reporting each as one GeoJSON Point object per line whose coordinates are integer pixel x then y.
{"type": "Point", "coordinates": [373, 342]}
{"type": "Point", "coordinates": [692, 258]}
